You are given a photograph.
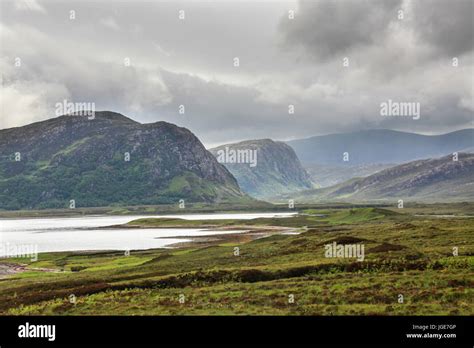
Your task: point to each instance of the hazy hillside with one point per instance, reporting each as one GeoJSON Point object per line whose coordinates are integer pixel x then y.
{"type": "Point", "coordinates": [430, 180]}
{"type": "Point", "coordinates": [379, 146]}
{"type": "Point", "coordinates": [108, 160]}
{"type": "Point", "coordinates": [325, 175]}
{"type": "Point", "coordinates": [276, 170]}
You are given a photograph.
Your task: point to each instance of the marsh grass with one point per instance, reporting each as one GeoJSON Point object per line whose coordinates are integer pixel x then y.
{"type": "Point", "coordinates": [405, 254]}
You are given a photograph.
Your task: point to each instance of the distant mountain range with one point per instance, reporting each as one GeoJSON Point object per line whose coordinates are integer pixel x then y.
{"type": "Point", "coordinates": [379, 146]}
{"type": "Point", "coordinates": [276, 168]}
{"type": "Point", "coordinates": [428, 180]}
{"type": "Point", "coordinates": [110, 160]}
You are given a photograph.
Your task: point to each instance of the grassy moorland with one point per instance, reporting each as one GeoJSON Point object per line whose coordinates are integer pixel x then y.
{"type": "Point", "coordinates": [142, 210]}
{"type": "Point", "coordinates": [408, 252]}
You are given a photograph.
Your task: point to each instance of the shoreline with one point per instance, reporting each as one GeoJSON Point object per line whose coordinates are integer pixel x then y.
{"type": "Point", "coordinates": [9, 269]}
{"type": "Point", "coordinates": [141, 210]}
{"type": "Point", "coordinates": [237, 238]}
{"type": "Point", "coordinates": [250, 233]}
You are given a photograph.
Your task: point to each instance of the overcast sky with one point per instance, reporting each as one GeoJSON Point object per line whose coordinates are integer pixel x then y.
{"type": "Point", "coordinates": [283, 61]}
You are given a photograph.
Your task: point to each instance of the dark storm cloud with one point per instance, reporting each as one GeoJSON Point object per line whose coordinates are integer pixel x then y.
{"type": "Point", "coordinates": [446, 25]}
{"type": "Point", "coordinates": [326, 29]}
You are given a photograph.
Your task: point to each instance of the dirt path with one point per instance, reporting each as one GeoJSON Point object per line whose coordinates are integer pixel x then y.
{"type": "Point", "coordinates": [8, 269]}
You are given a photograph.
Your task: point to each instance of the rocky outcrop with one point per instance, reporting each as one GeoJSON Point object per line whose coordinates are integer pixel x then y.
{"type": "Point", "coordinates": [271, 167]}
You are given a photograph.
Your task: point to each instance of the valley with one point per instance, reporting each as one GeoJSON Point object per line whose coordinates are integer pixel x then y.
{"type": "Point", "coordinates": [408, 252]}
{"type": "Point", "coordinates": [158, 225]}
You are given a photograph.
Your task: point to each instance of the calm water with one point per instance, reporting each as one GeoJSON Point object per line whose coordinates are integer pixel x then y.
{"type": "Point", "coordinates": [82, 233]}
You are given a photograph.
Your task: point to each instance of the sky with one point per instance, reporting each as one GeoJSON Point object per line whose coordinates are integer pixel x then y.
{"type": "Point", "coordinates": [333, 61]}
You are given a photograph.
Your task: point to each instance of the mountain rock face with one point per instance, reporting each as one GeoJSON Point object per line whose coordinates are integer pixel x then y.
{"type": "Point", "coordinates": [379, 146]}
{"type": "Point", "coordinates": [109, 160]}
{"type": "Point", "coordinates": [264, 168]}
{"type": "Point", "coordinates": [430, 180]}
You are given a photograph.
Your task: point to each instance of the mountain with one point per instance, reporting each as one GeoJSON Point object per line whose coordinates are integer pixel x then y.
{"type": "Point", "coordinates": [325, 175]}
{"type": "Point", "coordinates": [74, 158]}
{"type": "Point", "coordinates": [429, 180]}
{"type": "Point", "coordinates": [275, 169]}
{"type": "Point", "coordinates": [379, 146]}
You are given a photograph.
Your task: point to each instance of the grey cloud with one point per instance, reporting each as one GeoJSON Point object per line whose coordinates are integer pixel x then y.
{"type": "Point", "coordinates": [328, 29]}
{"type": "Point", "coordinates": [446, 25]}
{"type": "Point", "coordinates": [189, 63]}
{"type": "Point", "coordinates": [325, 29]}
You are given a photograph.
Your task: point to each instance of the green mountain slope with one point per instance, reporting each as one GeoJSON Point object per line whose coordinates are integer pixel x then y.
{"type": "Point", "coordinates": [74, 158]}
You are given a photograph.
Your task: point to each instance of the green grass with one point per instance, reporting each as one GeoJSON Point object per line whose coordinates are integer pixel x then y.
{"type": "Point", "coordinates": [309, 217]}
{"type": "Point", "coordinates": [351, 216]}
{"type": "Point", "coordinates": [404, 255]}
